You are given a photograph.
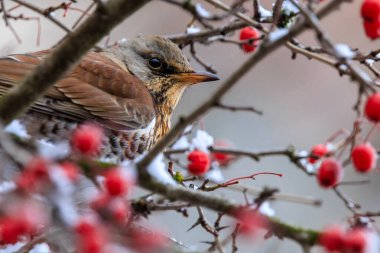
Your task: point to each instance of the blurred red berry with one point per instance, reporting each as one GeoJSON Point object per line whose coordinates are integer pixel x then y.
{"type": "Point", "coordinates": [115, 182]}
{"type": "Point", "coordinates": [372, 107]}
{"type": "Point", "coordinates": [11, 229]}
{"type": "Point", "coordinates": [330, 173]}
{"type": "Point", "coordinates": [87, 139]}
{"type": "Point", "coordinates": [91, 238]}
{"type": "Point", "coordinates": [332, 239]}
{"type": "Point", "coordinates": [364, 157]}
{"type": "Point", "coordinates": [250, 221]}
{"type": "Point", "coordinates": [26, 181]}
{"type": "Point", "coordinates": [144, 241]}
{"type": "Point", "coordinates": [355, 241]}
{"type": "Point", "coordinates": [199, 162]}
{"type": "Point", "coordinates": [317, 152]}
{"type": "Point", "coordinates": [370, 11]}
{"type": "Point", "coordinates": [33, 175]}
{"type": "Point", "coordinates": [223, 159]}
{"type": "Point", "coordinates": [119, 210]}
{"type": "Point", "coordinates": [248, 33]}
{"type": "Point", "coordinates": [372, 30]}
{"type": "Point", "coordinates": [70, 170]}
{"type": "Point", "coordinates": [38, 166]}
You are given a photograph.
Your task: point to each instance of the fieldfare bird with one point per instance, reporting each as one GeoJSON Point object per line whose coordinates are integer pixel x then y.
{"type": "Point", "coordinates": [130, 89]}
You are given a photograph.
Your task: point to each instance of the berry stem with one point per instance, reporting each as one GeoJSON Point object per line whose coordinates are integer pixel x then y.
{"type": "Point", "coordinates": [371, 131]}
{"type": "Point", "coordinates": [236, 180]}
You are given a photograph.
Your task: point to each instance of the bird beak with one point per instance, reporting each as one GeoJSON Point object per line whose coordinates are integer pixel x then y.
{"type": "Point", "coordinates": [196, 77]}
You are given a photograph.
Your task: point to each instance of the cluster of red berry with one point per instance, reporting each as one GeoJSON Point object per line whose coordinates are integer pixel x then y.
{"type": "Point", "coordinates": [363, 156]}
{"type": "Point", "coordinates": [25, 217]}
{"type": "Point", "coordinates": [334, 239]}
{"type": "Point", "coordinates": [370, 12]}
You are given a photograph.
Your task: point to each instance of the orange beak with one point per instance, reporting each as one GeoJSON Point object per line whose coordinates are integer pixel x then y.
{"type": "Point", "coordinates": [196, 77]}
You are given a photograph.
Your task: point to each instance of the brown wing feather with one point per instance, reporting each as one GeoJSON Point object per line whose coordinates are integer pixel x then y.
{"type": "Point", "coordinates": [98, 88]}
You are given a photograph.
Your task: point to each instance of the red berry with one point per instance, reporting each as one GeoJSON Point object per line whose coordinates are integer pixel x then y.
{"type": "Point", "coordinates": [38, 166]}
{"type": "Point", "coordinates": [372, 107]}
{"type": "Point", "coordinates": [34, 174]}
{"type": "Point", "coordinates": [355, 241]}
{"type": "Point", "coordinates": [91, 238]}
{"type": "Point", "coordinates": [70, 170]}
{"type": "Point", "coordinates": [330, 173]}
{"type": "Point", "coordinates": [119, 210]}
{"type": "Point", "coordinates": [372, 30]}
{"type": "Point", "coordinates": [370, 10]}
{"type": "Point", "coordinates": [223, 159]}
{"type": "Point", "coordinates": [115, 182]}
{"type": "Point", "coordinates": [199, 162]}
{"type": "Point", "coordinates": [246, 34]}
{"type": "Point", "coordinates": [332, 239]}
{"type": "Point", "coordinates": [317, 152]}
{"type": "Point", "coordinates": [250, 221]}
{"type": "Point", "coordinates": [364, 157]}
{"type": "Point", "coordinates": [11, 229]}
{"type": "Point", "coordinates": [144, 241]}
{"type": "Point", "coordinates": [87, 139]}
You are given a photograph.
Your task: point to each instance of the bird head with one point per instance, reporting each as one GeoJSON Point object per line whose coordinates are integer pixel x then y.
{"type": "Point", "coordinates": [163, 68]}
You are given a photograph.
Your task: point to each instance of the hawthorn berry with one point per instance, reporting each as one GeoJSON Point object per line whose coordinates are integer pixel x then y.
{"type": "Point", "coordinates": [70, 170]}
{"type": "Point", "coordinates": [199, 162]}
{"type": "Point", "coordinates": [115, 182]}
{"type": "Point", "coordinates": [34, 174]}
{"type": "Point", "coordinates": [372, 107]}
{"type": "Point", "coordinates": [364, 157]}
{"type": "Point", "coordinates": [87, 139]}
{"type": "Point", "coordinates": [330, 173]}
{"type": "Point", "coordinates": [332, 239]}
{"type": "Point", "coordinates": [317, 152]}
{"type": "Point", "coordinates": [370, 11]}
{"type": "Point", "coordinates": [223, 159]}
{"type": "Point", "coordinates": [355, 241]}
{"type": "Point", "coordinates": [91, 238]}
{"type": "Point", "coordinates": [248, 33]}
{"type": "Point", "coordinates": [249, 221]}
{"type": "Point", "coordinates": [372, 30]}
{"type": "Point", "coordinates": [147, 241]}
{"type": "Point", "coordinates": [11, 229]}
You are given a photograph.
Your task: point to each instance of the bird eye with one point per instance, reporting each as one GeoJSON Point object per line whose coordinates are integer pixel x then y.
{"type": "Point", "coordinates": [155, 63]}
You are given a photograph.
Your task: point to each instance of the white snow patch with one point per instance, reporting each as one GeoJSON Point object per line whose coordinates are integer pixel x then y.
{"type": "Point", "coordinates": [158, 170]}
{"type": "Point", "coordinates": [266, 209]}
{"type": "Point", "coordinates": [15, 127]}
{"type": "Point", "coordinates": [63, 196]}
{"type": "Point", "coordinates": [305, 162]}
{"type": "Point", "coordinates": [7, 186]}
{"type": "Point", "coordinates": [372, 242]}
{"type": "Point", "coordinates": [181, 143]}
{"type": "Point", "coordinates": [202, 11]}
{"type": "Point", "coordinates": [289, 8]}
{"type": "Point", "coordinates": [53, 151]}
{"type": "Point", "coordinates": [264, 13]}
{"type": "Point", "coordinates": [11, 248]}
{"type": "Point", "coordinates": [40, 248]}
{"type": "Point", "coordinates": [192, 29]}
{"type": "Point", "coordinates": [344, 51]}
{"type": "Point", "coordinates": [277, 34]}
{"type": "Point", "coordinates": [215, 174]}
{"type": "Point", "coordinates": [202, 141]}
{"type": "Point", "coordinates": [370, 62]}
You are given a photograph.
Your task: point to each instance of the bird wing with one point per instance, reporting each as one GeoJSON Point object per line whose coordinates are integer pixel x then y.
{"type": "Point", "coordinates": [99, 88]}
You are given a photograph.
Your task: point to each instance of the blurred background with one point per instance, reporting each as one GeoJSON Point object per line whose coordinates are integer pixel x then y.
{"type": "Point", "coordinates": [304, 102]}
